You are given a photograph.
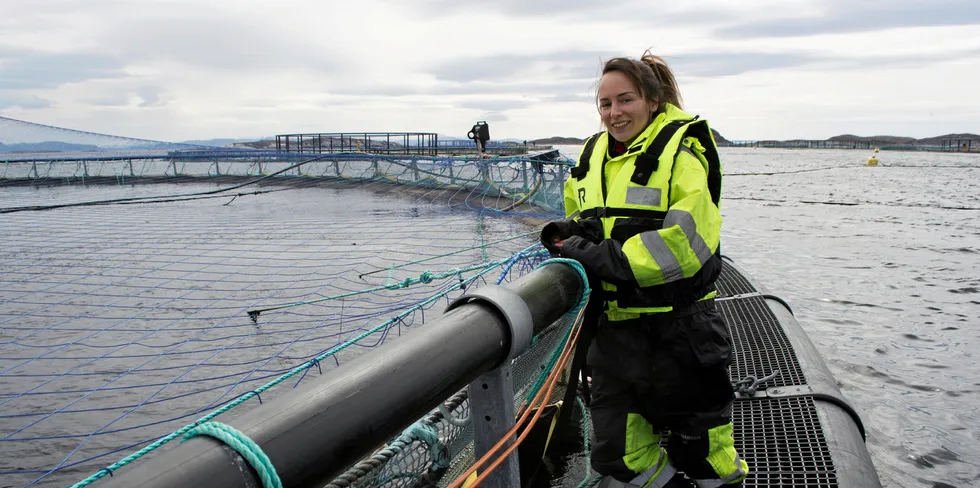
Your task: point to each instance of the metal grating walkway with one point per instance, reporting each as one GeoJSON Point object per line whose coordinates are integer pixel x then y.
{"type": "Point", "coordinates": [780, 438]}
{"type": "Point", "coordinates": [731, 282]}
{"type": "Point", "coordinates": [782, 442]}
{"type": "Point", "coordinates": [761, 346]}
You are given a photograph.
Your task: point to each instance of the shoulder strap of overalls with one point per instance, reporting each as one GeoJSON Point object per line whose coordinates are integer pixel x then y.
{"type": "Point", "coordinates": [646, 164]}
{"type": "Point", "coordinates": [580, 170]}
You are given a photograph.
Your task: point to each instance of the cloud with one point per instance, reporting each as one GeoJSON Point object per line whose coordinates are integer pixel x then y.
{"type": "Point", "coordinates": [116, 99]}
{"type": "Point", "coordinates": [220, 40]}
{"type": "Point", "coordinates": [636, 12]}
{"type": "Point", "coordinates": [570, 98]}
{"type": "Point", "coordinates": [521, 7]}
{"type": "Point", "coordinates": [495, 117]}
{"type": "Point", "coordinates": [494, 105]}
{"type": "Point", "coordinates": [840, 16]}
{"type": "Point", "coordinates": [149, 96]}
{"type": "Point", "coordinates": [734, 63]}
{"type": "Point", "coordinates": [737, 63]}
{"type": "Point", "coordinates": [26, 69]}
{"type": "Point", "coordinates": [508, 67]}
{"type": "Point", "coordinates": [9, 99]}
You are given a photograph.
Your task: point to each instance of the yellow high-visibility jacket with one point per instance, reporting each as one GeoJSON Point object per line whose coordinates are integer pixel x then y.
{"type": "Point", "coordinates": [658, 205]}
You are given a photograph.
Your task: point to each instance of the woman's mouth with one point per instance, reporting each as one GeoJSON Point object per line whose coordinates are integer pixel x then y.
{"type": "Point", "coordinates": [620, 125]}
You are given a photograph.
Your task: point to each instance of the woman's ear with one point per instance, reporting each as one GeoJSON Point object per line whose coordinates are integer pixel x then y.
{"type": "Point", "coordinates": [654, 105]}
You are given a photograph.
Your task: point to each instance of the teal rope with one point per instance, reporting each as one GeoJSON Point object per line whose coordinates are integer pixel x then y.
{"type": "Point", "coordinates": [586, 291]}
{"type": "Point", "coordinates": [527, 252]}
{"type": "Point", "coordinates": [430, 258]}
{"type": "Point", "coordinates": [425, 432]}
{"type": "Point", "coordinates": [588, 481]}
{"type": "Point", "coordinates": [244, 446]}
{"type": "Point", "coordinates": [425, 278]}
{"type": "Point", "coordinates": [422, 431]}
{"type": "Point", "coordinates": [550, 366]}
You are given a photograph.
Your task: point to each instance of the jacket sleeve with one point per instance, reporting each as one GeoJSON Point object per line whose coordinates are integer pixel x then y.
{"type": "Point", "coordinates": [691, 231]}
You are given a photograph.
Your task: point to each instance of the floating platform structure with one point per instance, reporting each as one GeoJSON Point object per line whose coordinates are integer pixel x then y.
{"type": "Point", "coordinates": [795, 429]}
{"type": "Point", "coordinates": [402, 415]}
{"type": "Point", "coordinates": [961, 144]}
{"type": "Point", "coordinates": [390, 143]}
{"type": "Point", "coordinates": [803, 144]}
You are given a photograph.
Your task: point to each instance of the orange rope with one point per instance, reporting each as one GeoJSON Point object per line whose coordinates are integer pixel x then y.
{"type": "Point", "coordinates": [539, 399]}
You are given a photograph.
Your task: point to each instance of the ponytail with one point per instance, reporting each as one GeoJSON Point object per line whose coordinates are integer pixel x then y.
{"type": "Point", "coordinates": [668, 84]}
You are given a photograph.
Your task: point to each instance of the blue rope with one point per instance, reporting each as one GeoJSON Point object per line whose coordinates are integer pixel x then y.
{"type": "Point", "coordinates": [244, 446]}
{"type": "Point", "coordinates": [524, 254]}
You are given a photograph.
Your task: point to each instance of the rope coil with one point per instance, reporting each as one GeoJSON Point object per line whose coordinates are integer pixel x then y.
{"type": "Point", "coordinates": [242, 444]}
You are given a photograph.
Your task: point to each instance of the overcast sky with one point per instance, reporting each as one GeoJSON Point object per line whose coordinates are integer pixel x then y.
{"type": "Point", "coordinates": [764, 69]}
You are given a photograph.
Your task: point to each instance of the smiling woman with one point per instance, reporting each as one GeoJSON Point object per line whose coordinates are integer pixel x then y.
{"type": "Point", "coordinates": [644, 198]}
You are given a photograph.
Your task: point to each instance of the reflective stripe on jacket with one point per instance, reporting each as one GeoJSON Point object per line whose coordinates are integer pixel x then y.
{"type": "Point", "coordinates": [663, 209]}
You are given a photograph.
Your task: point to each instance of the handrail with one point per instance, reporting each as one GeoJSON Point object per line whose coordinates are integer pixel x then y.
{"type": "Point", "coordinates": [313, 432]}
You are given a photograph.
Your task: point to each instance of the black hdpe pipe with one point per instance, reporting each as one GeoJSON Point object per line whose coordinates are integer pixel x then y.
{"type": "Point", "coordinates": [314, 432]}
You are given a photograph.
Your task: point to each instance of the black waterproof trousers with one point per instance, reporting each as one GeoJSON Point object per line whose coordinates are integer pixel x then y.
{"type": "Point", "coordinates": [661, 375]}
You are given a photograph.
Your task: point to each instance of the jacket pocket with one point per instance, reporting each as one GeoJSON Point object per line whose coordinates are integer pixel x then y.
{"type": "Point", "coordinates": [709, 339]}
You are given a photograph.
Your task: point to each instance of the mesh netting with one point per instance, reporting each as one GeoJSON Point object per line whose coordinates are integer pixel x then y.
{"type": "Point", "coordinates": [415, 462]}
{"type": "Point", "coordinates": [125, 306]}
{"type": "Point", "coordinates": [167, 289]}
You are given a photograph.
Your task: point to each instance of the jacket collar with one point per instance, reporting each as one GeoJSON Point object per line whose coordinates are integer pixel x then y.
{"type": "Point", "coordinates": [642, 141]}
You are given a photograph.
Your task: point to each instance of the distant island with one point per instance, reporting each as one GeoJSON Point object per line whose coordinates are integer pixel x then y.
{"type": "Point", "coordinates": [947, 142]}
{"type": "Point", "coordinates": [574, 141]}
{"type": "Point", "coordinates": [971, 141]}
{"type": "Point", "coordinates": [47, 146]}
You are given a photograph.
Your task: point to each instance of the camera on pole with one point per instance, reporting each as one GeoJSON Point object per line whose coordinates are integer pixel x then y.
{"type": "Point", "coordinates": [480, 133]}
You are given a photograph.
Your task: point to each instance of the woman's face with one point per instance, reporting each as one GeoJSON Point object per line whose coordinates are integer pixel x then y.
{"type": "Point", "coordinates": [624, 112]}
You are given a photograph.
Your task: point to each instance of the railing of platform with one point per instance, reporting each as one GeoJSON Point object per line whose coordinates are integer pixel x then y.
{"type": "Point", "coordinates": [314, 432]}
{"type": "Point", "coordinates": [406, 143]}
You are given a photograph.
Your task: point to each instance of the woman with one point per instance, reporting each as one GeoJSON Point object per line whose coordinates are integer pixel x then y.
{"type": "Point", "coordinates": [643, 218]}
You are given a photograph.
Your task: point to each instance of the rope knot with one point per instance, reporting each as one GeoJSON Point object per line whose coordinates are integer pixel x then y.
{"type": "Point", "coordinates": [425, 277]}
{"type": "Point", "coordinates": [438, 452]}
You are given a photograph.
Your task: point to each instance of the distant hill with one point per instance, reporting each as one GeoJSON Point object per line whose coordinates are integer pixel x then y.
{"type": "Point", "coordinates": [263, 144]}
{"type": "Point", "coordinates": [574, 141]}
{"type": "Point", "coordinates": [898, 140]}
{"type": "Point", "coordinates": [882, 140]}
{"type": "Point", "coordinates": [46, 146]}
{"type": "Point", "coordinates": [215, 142]}
{"type": "Point", "coordinates": [936, 141]}
{"type": "Point", "coordinates": [719, 139]}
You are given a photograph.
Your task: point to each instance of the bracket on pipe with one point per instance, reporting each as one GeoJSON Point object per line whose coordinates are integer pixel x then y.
{"type": "Point", "coordinates": [492, 394]}
{"type": "Point", "coordinates": [512, 307]}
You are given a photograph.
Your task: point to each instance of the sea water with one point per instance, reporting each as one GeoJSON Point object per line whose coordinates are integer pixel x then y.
{"type": "Point", "coordinates": [880, 264]}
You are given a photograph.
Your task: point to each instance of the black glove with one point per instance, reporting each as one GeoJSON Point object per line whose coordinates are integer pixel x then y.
{"type": "Point", "coordinates": [590, 229]}
{"type": "Point", "coordinates": [604, 260]}
{"type": "Point", "coordinates": [558, 230]}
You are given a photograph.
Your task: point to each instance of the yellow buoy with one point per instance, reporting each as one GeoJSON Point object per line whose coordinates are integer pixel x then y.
{"type": "Point", "coordinates": [872, 161]}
